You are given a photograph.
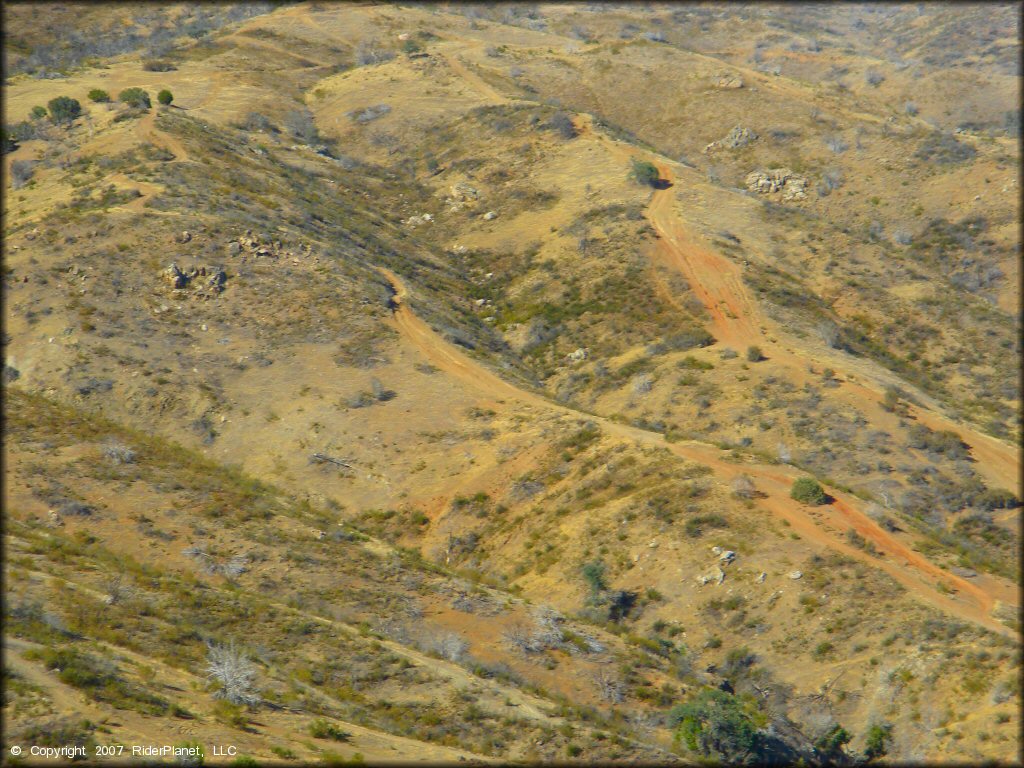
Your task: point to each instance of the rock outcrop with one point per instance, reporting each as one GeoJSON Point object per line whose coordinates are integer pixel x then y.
{"type": "Point", "coordinates": [738, 137]}
{"type": "Point", "coordinates": [778, 181]}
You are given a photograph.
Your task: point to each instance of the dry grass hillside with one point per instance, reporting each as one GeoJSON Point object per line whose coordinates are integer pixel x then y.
{"type": "Point", "coordinates": [439, 381]}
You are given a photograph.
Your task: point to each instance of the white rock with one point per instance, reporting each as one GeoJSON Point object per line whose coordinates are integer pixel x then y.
{"type": "Point", "coordinates": [761, 577]}
{"type": "Point", "coordinates": [795, 575]}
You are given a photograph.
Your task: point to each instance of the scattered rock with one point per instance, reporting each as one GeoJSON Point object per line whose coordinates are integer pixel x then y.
{"type": "Point", "coordinates": [415, 221]}
{"type": "Point", "coordinates": [737, 137]}
{"type": "Point", "coordinates": [461, 192]}
{"type": "Point", "coordinates": [234, 248]}
{"type": "Point", "coordinates": [727, 556]}
{"type": "Point", "coordinates": [796, 575]}
{"type": "Point", "coordinates": [577, 355]}
{"type": "Point", "coordinates": [778, 181]}
{"type": "Point", "coordinates": [490, 216]}
{"type": "Point", "coordinates": [184, 237]}
{"type": "Point", "coordinates": [716, 550]}
{"type": "Point", "coordinates": [716, 575]}
{"type": "Point", "coordinates": [729, 82]}
{"type": "Point", "coordinates": [761, 577]}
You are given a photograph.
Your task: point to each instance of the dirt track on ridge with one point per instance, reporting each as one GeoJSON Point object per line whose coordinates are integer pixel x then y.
{"type": "Point", "coordinates": [916, 573]}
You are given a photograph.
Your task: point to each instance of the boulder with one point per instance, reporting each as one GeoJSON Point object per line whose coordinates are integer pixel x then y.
{"type": "Point", "coordinates": [795, 575]}
{"type": "Point", "coordinates": [761, 577]}
{"type": "Point", "coordinates": [176, 277]}
{"type": "Point", "coordinates": [729, 82]}
{"type": "Point", "coordinates": [577, 355]}
{"type": "Point", "coordinates": [184, 237]}
{"type": "Point", "coordinates": [716, 575]}
{"type": "Point", "coordinates": [490, 216]}
{"type": "Point", "coordinates": [218, 279]}
{"type": "Point", "coordinates": [781, 181]}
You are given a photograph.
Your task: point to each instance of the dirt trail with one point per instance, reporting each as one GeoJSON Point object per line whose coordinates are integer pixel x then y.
{"type": "Point", "coordinates": [737, 322]}
{"type": "Point", "coordinates": [147, 129]}
{"type": "Point", "coordinates": [718, 282]}
{"type": "Point", "coordinates": [477, 83]}
{"type": "Point", "coordinates": [916, 573]}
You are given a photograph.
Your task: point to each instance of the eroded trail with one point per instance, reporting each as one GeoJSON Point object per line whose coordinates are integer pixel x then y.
{"type": "Point", "coordinates": [738, 323]}
{"type": "Point", "coordinates": [916, 573]}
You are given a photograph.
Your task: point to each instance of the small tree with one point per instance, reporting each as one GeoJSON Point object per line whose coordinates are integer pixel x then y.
{"type": "Point", "coordinates": [38, 112]}
{"type": "Point", "coordinates": [892, 401]}
{"type": "Point", "coordinates": [562, 124]}
{"type": "Point", "coordinates": [21, 172]}
{"type": "Point", "coordinates": [754, 354]}
{"type": "Point", "coordinates": [743, 487]}
{"type": "Point", "coordinates": [593, 574]}
{"type": "Point", "coordinates": [831, 743]}
{"type": "Point", "coordinates": [64, 109]}
{"type": "Point", "coordinates": [806, 490]}
{"type": "Point", "coordinates": [165, 97]}
{"type": "Point", "coordinates": [99, 95]}
{"type": "Point", "coordinates": [829, 333]}
{"type": "Point", "coordinates": [644, 172]}
{"type": "Point", "coordinates": [233, 671]}
{"type": "Point", "coordinates": [718, 725]}
{"type": "Point", "coordinates": [878, 738]}
{"type": "Point", "coordinates": [135, 97]}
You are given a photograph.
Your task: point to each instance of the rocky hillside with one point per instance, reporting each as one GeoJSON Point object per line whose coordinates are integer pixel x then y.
{"type": "Point", "coordinates": [513, 382]}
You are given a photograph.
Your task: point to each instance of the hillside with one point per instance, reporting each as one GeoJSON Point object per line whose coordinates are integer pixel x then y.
{"type": "Point", "coordinates": [370, 369]}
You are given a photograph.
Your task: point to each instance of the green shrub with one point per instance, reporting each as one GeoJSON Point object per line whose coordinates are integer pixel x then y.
{"type": "Point", "coordinates": [324, 729]}
{"type": "Point", "coordinates": [754, 354]}
{"type": "Point", "coordinates": [64, 109]}
{"type": "Point", "coordinates": [806, 490]}
{"type": "Point", "coordinates": [695, 526]}
{"type": "Point", "coordinates": [593, 574]}
{"type": "Point", "coordinates": [717, 724]}
{"type": "Point", "coordinates": [38, 112]}
{"type": "Point", "coordinates": [99, 95]}
{"type": "Point", "coordinates": [831, 744]}
{"type": "Point", "coordinates": [644, 172]}
{"type": "Point", "coordinates": [135, 97]}
{"type": "Point", "coordinates": [878, 738]}
{"type": "Point", "coordinates": [165, 97]}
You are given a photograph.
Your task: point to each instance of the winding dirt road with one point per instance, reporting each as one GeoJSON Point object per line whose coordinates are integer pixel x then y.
{"type": "Point", "coordinates": [969, 601]}
{"type": "Point", "coordinates": [737, 322]}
